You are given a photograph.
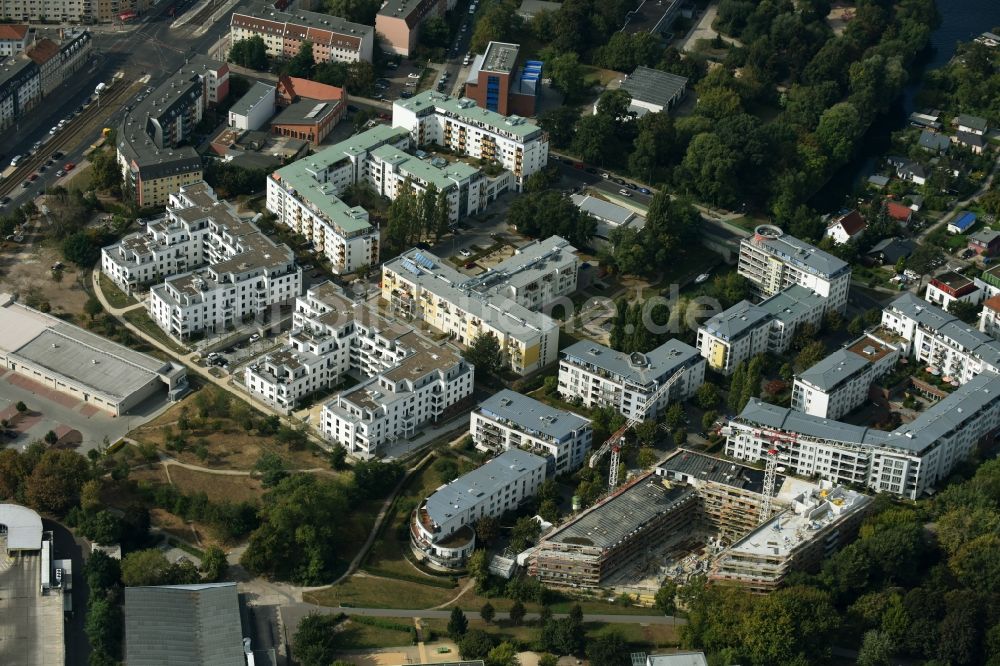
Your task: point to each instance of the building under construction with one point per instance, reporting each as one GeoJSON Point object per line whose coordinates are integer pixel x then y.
{"type": "Point", "coordinates": [688, 494]}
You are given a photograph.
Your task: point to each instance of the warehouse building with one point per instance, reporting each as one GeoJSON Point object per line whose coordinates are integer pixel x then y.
{"type": "Point", "coordinates": [82, 365]}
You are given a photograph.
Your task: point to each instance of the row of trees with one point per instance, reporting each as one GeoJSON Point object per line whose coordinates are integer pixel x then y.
{"type": "Point", "coordinates": [415, 215]}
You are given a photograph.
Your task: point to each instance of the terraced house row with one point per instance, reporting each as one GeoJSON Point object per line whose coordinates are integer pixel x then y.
{"type": "Point", "coordinates": [332, 38]}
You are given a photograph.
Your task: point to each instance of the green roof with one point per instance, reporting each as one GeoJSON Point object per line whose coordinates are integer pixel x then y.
{"type": "Point", "coordinates": [466, 109]}
{"type": "Point", "coordinates": [423, 170]}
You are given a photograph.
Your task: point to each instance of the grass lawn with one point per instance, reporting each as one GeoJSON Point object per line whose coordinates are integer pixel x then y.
{"type": "Point", "coordinates": [141, 320]}
{"type": "Point", "coordinates": [368, 592]}
{"type": "Point", "coordinates": [358, 636]}
{"type": "Point", "coordinates": [217, 487]}
{"type": "Point", "coordinates": [592, 75]}
{"type": "Point", "coordinates": [116, 297]}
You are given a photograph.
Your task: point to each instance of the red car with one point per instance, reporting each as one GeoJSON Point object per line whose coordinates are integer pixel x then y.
{"type": "Point", "coordinates": [33, 177]}
{"type": "Point", "coordinates": [68, 166]}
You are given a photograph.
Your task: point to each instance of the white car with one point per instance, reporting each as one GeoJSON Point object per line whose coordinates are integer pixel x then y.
{"type": "Point", "coordinates": [465, 253]}
{"type": "Point", "coordinates": [254, 338]}
{"type": "Point", "coordinates": [413, 75]}
{"type": "Point", "coordinates": [701, 278]}
{"type": "Point", "coordinates": [624, 192]}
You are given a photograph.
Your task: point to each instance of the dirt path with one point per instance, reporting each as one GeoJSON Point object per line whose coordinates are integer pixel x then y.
{"type": "Point", "coordinates": [468, 586]}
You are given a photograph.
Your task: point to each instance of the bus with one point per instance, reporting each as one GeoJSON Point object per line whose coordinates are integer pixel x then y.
{"type": "Point", "coordinates": [125, 17]}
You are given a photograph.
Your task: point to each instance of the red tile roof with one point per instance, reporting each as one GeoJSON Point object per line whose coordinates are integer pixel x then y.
{"type": "Point", "coordinates": [993, 303]}
{"type": "Point", "coordinates": [852, 223]}
{"type": "Point", "coordinates": [291, 88]}
{"type": "Point", "coordinates": [13, 31]}
{"type": "Point", "coordinates": [898, 211]}
{"type": "Point", "coordinates": [42, 51]}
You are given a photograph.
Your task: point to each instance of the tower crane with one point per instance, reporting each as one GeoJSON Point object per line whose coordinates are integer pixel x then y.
{"type": "Point", "coordinates": [613, 443]}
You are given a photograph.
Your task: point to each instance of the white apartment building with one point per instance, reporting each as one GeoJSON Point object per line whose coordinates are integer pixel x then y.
{"type": "Point", "coordinates": [333, 39]}
{"type": "Point", "coordinates": [948, 287]}
{"type": "Point", "coordinates": [503, 300]}
{"type": "Point", "coordinates": [509, 420]}
{"type": "Point", "coordinates": [598, 376]}
{"type": "Point", "coordinates": [441, 528]}
{"type": "Point", "coordinates": [841, 382]}
{"type": "Point", "coordinates": [14, 38]}
{"type": "Point", "coordinates": [745, 330]}
{"type": "Point", "coordinates": [909, 461]}
{"type": "Point", "coordinates": [989, 318]}
{"type": "Point", "coordinates": [945, 343]}
{"type": "Point", "coordinates": [395, 403]}
{"type": "Point", "coordinates": [773, 261]}
{"type": "Point", "coordinates": [433, 118]}
{"type": "Point", "coordinates": [219, 269]}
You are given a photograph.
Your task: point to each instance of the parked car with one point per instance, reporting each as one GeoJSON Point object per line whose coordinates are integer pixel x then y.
{"type": "Point", "coordinates": [406, 94]}
{"type": "Point", "coordinates": [625, 193]}
{"type": "Point", "coordinates": [4, 201]}
{"type": "Point", "coordinates": [33, 177]}
{"type": "Point", "coordinates": [645, 190]}
{"type": "Point", "coordinates": [69, 166]}
{"type": "Point", "coordinates": [701, 278]}
{"type": "Point", "coordinates": [465, 253]}
{"type": "Point", "coordinates": [254, 338]}
{"type": "Point", "coordinates": [60, 173]}
{"type": "Point", "coordinates": [470, 264]}
{"type": "Point", "coordinates": [58, 154]}
{"type": "Point", "coordinates": [619, 181]}
{"type": "Point", "coordinates": [413, 75]}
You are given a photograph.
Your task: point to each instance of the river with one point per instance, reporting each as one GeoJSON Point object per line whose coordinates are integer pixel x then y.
{"type": "Point", "coordinates": [961, 20]}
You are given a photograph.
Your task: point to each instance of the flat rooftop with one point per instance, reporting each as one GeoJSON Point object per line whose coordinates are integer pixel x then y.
{"type": "Point", "coordinates": [952, 280]}
{"type": "Point", "coordinates": [709, 468]}
{"type": "Point", "coordinates": [799, 253]}
{"type": "Point", "coordinates": [31, 624]}
{"type": "Point", "coordinates": [738, 320]}
{"type": "Point", "coordinates": [532, 416]}
{"type": "Point", "coordinates": [257, 93]}
{"type": "Point", "coordinates": [837, 368]}
{"type": "Point", "coordinates": [466, 109]}
{"type": "Point", "coordinates": [608, 523]}
{"type": "Point", "coordinates": [642, 369]}
{"type": "Point", "coordinates": [500, 57]}
{"type": "Point", "coordinates": [23, 526]}
{"type": "Point", "coordinates": [653, 86]}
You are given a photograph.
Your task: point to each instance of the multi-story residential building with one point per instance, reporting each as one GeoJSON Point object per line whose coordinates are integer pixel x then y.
{"type": "Point", "coordinates": [219, 268]}
{"type": "Point", "coordinates": [945, 289]}
{"type": "Point", "coordinates": [819, 521]}
{"type": "Point", "coordinates": [841, 382]}
{"type": "Point", "coordinates": [20, 88]}
{"type": "Point", "coordinates": [333, 39]}
{"type": "Point", "coordinates": [395, 403]}
{"type": "Point", "coordinates": [330, 335]}
{"type": "Point", "coordinates": [153, 162]}
{"type": "Point", "coordinates": [738, 334]}
{"type": "Point", "coordinates": [441, 528]}
{"type": "Point", "coordinates": [989, 318]}
{"type": "Point", "coordinates": [58, 62]}
{"type": "Point", "coordinates": [597, 376]}
{"type": "Point", "coordinates": [14, 39]}
{"type": "Point", "coordinates": [502, 301]}
{"type": "Point", "coordinates": [772, 260]}
{"type": "Point", "coordinates": [255, 108]}
{"type": "Point", "coordinates": [508, 420]}
{"type": "Point", "coordinates": [466, 129]}
{"type": "Point", "coordinates": [399, 21]}
{"type": "Point", "coordinates": [908, 461]}
{"type": "Point", "coordinates": [940, 340]}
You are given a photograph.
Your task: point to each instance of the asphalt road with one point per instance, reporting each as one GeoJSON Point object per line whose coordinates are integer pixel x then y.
{"type": "Point", "coordinates": [66, 547]}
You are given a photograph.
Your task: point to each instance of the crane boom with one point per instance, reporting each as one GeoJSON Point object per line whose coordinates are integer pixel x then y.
{"type": "Point", "coordinates": [611, 444]}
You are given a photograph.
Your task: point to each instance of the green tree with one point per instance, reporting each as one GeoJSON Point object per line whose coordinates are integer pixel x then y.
{"type": "Point", "coordinates": [839, 128]}
{"type": "Point", "coordinates": [525, 531]}
{"type": "Point", "coordinates": [434, 32]}
{"type": "Point", "coordinates": [356, 11]}
{"type": "Point", "coordinates": [497, 22]}
{"type": "Point", "coordinates": [487, 612]}
{"type": "Point", "coordinates": [487, 529]}
{"type": "Point", "coordinates": [442, 215]}
{"type": "Point", "coordinates": [486, 355]}
{"type": "Point", "coordinates": [517, 612]}
{"type": "Point", "coordinates": [303, 63]}
{"type": "Point", "coordinates": [708, 419]}
{"type": "Point", "coordinates": [214, 564]}
{"type": "Point", "coordinates": [315, 641]}
{"type": "Point", "coordinates": [92, 307]}
{"type": "Point", "coordinates": [250, 52]}
{"type": "Point", "coordinates": [876, 649]}
{"type": "Point", "coordinates": [102, 527]}
{"type": "Point", "coordinates": [607, 650]}
{"type": "Point", "coordinates": [647, 457]}
{"type": "Point", "coordinates": [567, 75]}
{"type": "Point", "coordinates": [475, 644]}
{"type": "Point", "coordinates": [665, 599]}
{"type": "Point", "coordinates": [595, 140]}
{"type": "Point", "coordinates": [458, 624]}
{"type": "Point", "coordinates": [80, 249]}
{"type": "Point", "coordinates": [675, 416]}
{"type": "Point", "coordinates": [55, 481]}
{"type": "Point", "coordinates": [104, 627]}
{"type": "Point", "coordinates": [101, 572]}
{"type": "Point", "coordinates": [811, 354]}
{"type": "Point", "coordinates": [560, 123]}
{"type": "Point", "coordinates": [271, 468]}
{"type": "Point", "coordinates": [504, 654]}
{"type": "Point", "coordinates": [145, 567]}
{"type": "Point", "coordinates": [707, 396]}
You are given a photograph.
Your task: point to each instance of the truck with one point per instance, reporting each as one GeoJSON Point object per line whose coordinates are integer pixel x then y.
{"type": "Point", "coordinates": [101, 87]}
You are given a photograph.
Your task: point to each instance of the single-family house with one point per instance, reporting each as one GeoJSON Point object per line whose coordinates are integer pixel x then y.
{"type": "Point", "coordinates": [907, 169]}
{"type": "Point", "coordinates": [974, 142]}
{"type": "Point", "coordinates": [845, 226]}
{"type": "Point", "coordinates": [891, 250]}
{"type": "Point", "coordinates": [949, 287]}
{"type": "Point", "coordinates": [989, 39]}
{"type": "Point", "coordinates": [934, 142]}
{"type": "Point", "coordinates": [878, 181]}
{"type": "Point", "coordinates": [985, 242]}
{"type": "Point", "coordinates": [971, 124]}
{"type": "Point", "coordinates": [916, 202]}
{"type": "Point", "coordinates": [899, 212]}
{"type": "Point", "coordinates": [962, 223]}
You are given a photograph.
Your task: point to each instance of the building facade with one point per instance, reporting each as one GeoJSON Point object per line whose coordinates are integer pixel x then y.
{"type": "Point", "coordinates": [508, 420]}
{"type": "Point", "coordinates": [441, 528]}
{"type": "Point", "coordinates": [773, 261]}
{"type": "Point", "coordinates": [599, 376]}
{"type": "Point", "coordinates": [948, 287]}
{"type": "Point", "coordinates": [333, 39]}
{"type": "Point", "coordinates": [14, 39]}
{"type": "Point", "coordinates": [20, 88]}
{"type": "Point", "coordinates": [399, 21]}
{"type": "Point", "coordinates": [255, 108]}
{"type": "Point", "coordinates": [503, 301]}
{"type": "Point", "coordinates": [496, 83]}
{"type": "Point", "coordinates": [466, 129]}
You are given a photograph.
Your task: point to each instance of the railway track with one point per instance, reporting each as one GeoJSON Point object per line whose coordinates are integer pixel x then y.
{"type": "Point", "coordinates": [90, 120]}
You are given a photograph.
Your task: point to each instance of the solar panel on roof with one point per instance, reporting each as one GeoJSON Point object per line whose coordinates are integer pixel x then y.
{"type": "Point", "coordinates": [315, 110]}
{"type": "Point", "coordinates": [411, 267]}
{"type": "Point", "coordinates": [423, 261]}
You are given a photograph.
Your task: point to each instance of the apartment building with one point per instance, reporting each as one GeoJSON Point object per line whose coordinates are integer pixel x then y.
{"type": "Point", "coordinates": [598, 376]}
{"type": "Point", "coordinates": [509, 420]}
{"type": "Point", "coordinates": [989, 318]}
{"type": "Point", "coordinates": [219, 270]}
{"type": "Point", "coordinates": [441, 528]}
{"type": "Point", "coordinates": [14, 39]}
{"type": "Point", "coordinates": [774, 260]}
{"type": "Point", "coordinates": [948, 287]}
{"type": "Point", "coordinates": [745, 330]}
{"type": "Point", "coordinates": [818, 522]}
{"type": "Point", "coordinates": [503, 301]}
{"type": "Point", "coordinates": [466, 129]}
{"type": "Point", "coordinates": [841, 382]}
{"type": "Point", "coordinates": [398, 22]}
{"type": "Point", "coordinates": [909, 461]}
{"type": "Point", "coordinates": [942, 341]}
{"type": "Point", "coordinates": [20, 88]}
{"type": "Point", "coordinates": [153, 161]}
{"type": "Point", "coordinates": [59, 61]}
{"type": "Point", "coordinates": [333, 39]}
{"type": "Point", "coordinates": [331, 334]}
{"type": "Point", "coordinates": [394, 404]}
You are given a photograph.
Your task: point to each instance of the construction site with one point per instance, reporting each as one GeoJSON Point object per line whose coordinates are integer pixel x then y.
{"type": "Point", "coordinates": [697, 514]}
